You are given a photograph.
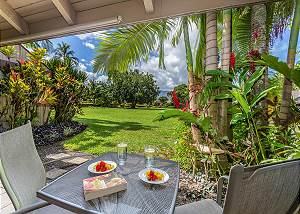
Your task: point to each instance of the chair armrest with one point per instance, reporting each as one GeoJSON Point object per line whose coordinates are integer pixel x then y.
{"type": "Point", "coordinates": [70, 157]}
{"type": "Point", "coordinates": [220, 188]}
{"type": "Point", "coordinates": [32, 207]}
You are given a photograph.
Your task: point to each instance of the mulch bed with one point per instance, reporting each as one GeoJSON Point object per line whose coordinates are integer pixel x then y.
{"type": "Point", "coordinates": [56, 132]}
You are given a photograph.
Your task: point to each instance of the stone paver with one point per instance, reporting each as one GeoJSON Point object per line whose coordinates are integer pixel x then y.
{"type": "Point", "coordinates": [77, 161]}
{"type": "Point", "coordinates": [55, 173]}
{"type": "Point", "coordinates": [57, 156]}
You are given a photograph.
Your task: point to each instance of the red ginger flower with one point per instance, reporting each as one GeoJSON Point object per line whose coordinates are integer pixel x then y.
{"type": "Point", "coordinates": [232, 60]}
{"type": "Point", "coordinates": [175, 99]}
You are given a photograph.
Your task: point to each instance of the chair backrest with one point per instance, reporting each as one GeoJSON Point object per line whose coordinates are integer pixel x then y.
{"type": "Point", "coordinates": [265, 189]}
{"type": "Point", "coordinates": [21, 169]}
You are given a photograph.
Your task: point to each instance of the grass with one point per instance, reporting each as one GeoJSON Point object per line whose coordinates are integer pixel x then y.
{"type": "Point", "coordinates": [109, 126]}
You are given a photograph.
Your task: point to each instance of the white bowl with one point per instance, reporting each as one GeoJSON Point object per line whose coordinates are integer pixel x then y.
{"type": "Point", "coordinates": [92, 167]}
{"type": "Point", "coordinates": [143, 177]}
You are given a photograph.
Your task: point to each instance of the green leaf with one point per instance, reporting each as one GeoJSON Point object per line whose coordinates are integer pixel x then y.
{"type": "Point", "coordinates": [254, 77]}
{"type": "Point", "coordinates": [218, 73]}
{"type": "Point", "coordinates": [242, 101]}
{"type": "Point", "coordinates": [277, 65]}
{"type": "Point", "coordinates": [223, 96]}
{"type": "Point", "coordinates": [204, 123]}
{"type": "Point", "coordinates": [261, 95]}
{"type": "Point", "coordinates": [236, 118]}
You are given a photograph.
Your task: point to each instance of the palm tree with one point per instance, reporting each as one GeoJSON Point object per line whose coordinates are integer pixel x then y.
{"type": "Point", "coordinates": [212, 57]}
{"type": "Point", "coordinates": [64, 52]}
{"type": "Point", "coordinates": [8, 51]}
{"type": "Point", "coordinates": [225, 63]}
{"type": "Point", "coordinates": [287, 87]}
{"type": "Point", "coordinates": [46, 44]}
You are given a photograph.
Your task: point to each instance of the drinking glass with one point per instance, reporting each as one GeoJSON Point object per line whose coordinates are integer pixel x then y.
{"type": "Point", "coordinates": [149, 153]}
{"type": "Point", "coordinates": [122, 153]}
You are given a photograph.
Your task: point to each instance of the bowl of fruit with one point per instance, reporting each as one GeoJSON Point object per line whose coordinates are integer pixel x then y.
{"type": "Point", "coordinates": [153, 176]}
{"type": "Point", "coordinates": [101, 167]}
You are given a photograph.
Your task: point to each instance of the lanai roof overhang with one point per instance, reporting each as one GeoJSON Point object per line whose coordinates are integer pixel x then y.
{"type": "Point", "coordinates": [27, 20]}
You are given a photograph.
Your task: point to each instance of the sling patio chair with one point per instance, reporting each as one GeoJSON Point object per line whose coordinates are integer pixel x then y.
{"type": "Point", "coordinates": [22, 172]}
{"type": "Point", "coordinates": [264, 189]}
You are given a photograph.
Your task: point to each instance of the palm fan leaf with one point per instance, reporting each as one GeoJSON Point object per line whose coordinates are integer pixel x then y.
{"type": "Point", "coordinates": [124, 47]}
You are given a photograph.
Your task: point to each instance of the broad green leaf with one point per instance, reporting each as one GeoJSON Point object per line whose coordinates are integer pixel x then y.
{"type": "Point", "coordinates": [242, 101]}
{"type": "Point", "coordinates": [204, 123]}
{"type": "Point", "coordinates": [223, 96]}
{"type": "Point", "coordinates": [261, 95]}
{"type": "Point", "coordinates": [218, 73]}
{"type": "Point", "coordinates": [254, 77]}
{"type": "Point", "coordinates": [277, 65]}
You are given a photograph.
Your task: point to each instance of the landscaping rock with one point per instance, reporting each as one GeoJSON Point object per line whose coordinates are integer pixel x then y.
{"type": "Point", "coordinates": [195, 188]}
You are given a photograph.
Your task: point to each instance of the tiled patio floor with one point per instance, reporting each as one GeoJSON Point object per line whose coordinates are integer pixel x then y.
{"type": "Point", "coordinates": [6, 205]}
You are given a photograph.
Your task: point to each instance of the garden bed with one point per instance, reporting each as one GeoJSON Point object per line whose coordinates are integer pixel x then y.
{"type": "Point", "coordinates": [56, 132]}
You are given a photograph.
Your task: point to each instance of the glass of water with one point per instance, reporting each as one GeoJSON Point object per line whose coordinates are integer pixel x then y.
{"type": "Point", "coordinates": [122, 153]}
{"type": "Point", "coordinates": [149, 153]}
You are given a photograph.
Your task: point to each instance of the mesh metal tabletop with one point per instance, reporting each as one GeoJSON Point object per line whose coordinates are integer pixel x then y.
{"type": "Point", "coordinates": [139, 198]}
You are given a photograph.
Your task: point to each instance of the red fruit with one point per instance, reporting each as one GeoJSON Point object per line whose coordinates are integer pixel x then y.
{"type": "Point", "coordinates": [98, 168]}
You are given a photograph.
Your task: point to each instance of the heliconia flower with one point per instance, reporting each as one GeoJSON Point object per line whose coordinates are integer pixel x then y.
{"type": "Point", "coordinates": [232, 60]}
{"type": "Point", "coordinates": [175, 99]}
{"type": "Point", "coordinates": [22, 61]}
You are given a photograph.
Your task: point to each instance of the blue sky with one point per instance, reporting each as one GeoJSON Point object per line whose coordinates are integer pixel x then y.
{"type": "Point", "coordinates": [85, 46]}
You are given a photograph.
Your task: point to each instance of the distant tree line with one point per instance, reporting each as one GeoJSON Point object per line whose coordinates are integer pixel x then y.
{"type": "Point", "coordinates": [126, 88]}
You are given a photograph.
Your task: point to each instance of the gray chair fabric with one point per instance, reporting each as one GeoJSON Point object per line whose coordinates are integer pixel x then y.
{"type": "Point", "coordinates": [265, 189]}
{"type": "Point", "coordinates": [207, 206]}
{"type": "Point", "coordinates": [21, 170]}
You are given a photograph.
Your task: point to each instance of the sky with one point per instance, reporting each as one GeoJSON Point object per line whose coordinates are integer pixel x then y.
{"type": "Point", "coordinates": [85, 46]}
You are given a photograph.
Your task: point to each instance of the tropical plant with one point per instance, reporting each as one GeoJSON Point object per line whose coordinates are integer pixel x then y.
{"type": "Point", "coordinates": [8, 51]}
{"type": "Point", "coordinates": [64, 52]}
{"type": "Point", "coordinates": [287, 88]}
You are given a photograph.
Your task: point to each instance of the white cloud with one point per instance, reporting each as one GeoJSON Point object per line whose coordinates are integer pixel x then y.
{"type": "Point", "coordinates": [81, 66]}
{"type": "Point", "coordinates": [82, 60]}
{"type": "Point", "coordinates": [175, 62]}
{"type": "Point", "coordinates": [97, 76]}
{"type": "Point", "coordinates": [89, 45]}
{"type": "Point", "coordinates": [92, 35]}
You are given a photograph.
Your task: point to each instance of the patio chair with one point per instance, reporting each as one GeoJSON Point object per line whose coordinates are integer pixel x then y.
{"type": "Point", "coordinates": [22, 172]}
{"type": "Point", "coordinates": [265, 189]}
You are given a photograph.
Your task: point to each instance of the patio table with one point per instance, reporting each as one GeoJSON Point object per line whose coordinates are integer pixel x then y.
{"type": "Point", "coordinates": [139, 198]}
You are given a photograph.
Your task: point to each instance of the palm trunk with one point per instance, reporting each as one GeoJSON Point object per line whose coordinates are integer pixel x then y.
{"type": "Point", "coordinates": [226, 50]}
{"type": "Point", "coordinates": [212, 57]}
{"type": "Point", "coordinates": [191, 78]}
{"type": "Point", "coordinates": [287, 87]}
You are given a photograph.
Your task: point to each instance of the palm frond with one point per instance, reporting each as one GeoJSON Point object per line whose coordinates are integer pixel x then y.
{"type": "Point", "coordinates": [124, 47]}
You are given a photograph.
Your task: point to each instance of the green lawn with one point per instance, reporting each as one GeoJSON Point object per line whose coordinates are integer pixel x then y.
{"type": "Point", "coordinates": [109, 126]}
